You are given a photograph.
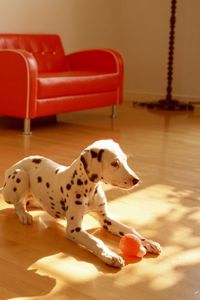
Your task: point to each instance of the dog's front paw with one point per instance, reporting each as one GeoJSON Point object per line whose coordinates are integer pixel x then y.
{"type": "Point", "coordinates": [112, 259]}
{"type": "Point", "coordinates": [25, 218]}
{"type": "Point", "coordinates": [151, 246]}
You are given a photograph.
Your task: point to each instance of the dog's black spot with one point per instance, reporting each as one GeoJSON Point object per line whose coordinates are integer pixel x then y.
{"type": "Point", "coordinates": [107, 222]}
{"type": "Point", "coordinates": [72, 218]}
{"type": "Point", "coordinates": [52, 204]}
{"type": "Point", "coordinates": [86, 182]}
{"type": "Point", "coordinates": [78, 202]}
{"type": "Point", "coordinates": [66, 208]}
{"type": "Point", "coordinates": [142, 240]}
{"type": "Point", "coordinates": [9, 176]}
{"type": "Point", "coordinates": [39, 179]}
{"type": "Point", "coordinates": [74, 174]}
{"type": "Point", "coordinates": [68, 186]}
{"type": "Point", "coordinates": [14, 189]}
{"type": "Point", "coordinates": [51, 198]}
{"type": "Point", "coordinates": [86, 190]}
{"type": "Point", "coordinates": [94, 154]}
{"type": "Point", "coordinates": [72, 182]}
{"type": "Point", "coordinates": [99, 157]}
{"type": "Point", "coordinates": [102, 204]}
{"type": "Point", "coordinates": [36, 160]}
{"type": "Point", "coordinates": [93, 177]}
{"type": "Point", "coordinates": [18, 180]}
{"type": "Point", "coordinates": [79, 182]}
{"type": "Point", "coordinates": [57, 216]}
{"type": "Point", "coordinates": [121, 233]}
{"type": "Point", "coordinates": [84, 162]}
{"type": "Point", "coordinates": [72, 230]}
{"type": "Point", "coordinates": [78, 196]}
{"type": "Point", "coordinates": [47, 184]}
{"type": "Point", "coordinates": [61, 189]}
{"type": "Point", "coordinates": [62, 202]}
{"type": "Point", "coordinates": [56, 171]}
{"type": "Point", "coordinates": [85, 195]}
{"type": "Point", "coordinates": [105, 227]}
{"type": "Point", "coordinates": [78, 229]}
{"type": "Point", "coordinates": [13, 177]}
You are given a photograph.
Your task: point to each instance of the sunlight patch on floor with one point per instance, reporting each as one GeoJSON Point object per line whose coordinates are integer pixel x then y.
{"type": "Point", "coordinates": [143, 206]}
{"type": "Point", "coordinates": [64, 267]}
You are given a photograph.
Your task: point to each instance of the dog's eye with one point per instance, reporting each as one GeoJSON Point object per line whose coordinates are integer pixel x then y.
{"type": "Point", "coordinates": [115, 163]}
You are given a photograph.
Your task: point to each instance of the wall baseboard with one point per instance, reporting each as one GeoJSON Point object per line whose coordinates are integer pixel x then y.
{"type": "Point", "coordinates": [147, 97]}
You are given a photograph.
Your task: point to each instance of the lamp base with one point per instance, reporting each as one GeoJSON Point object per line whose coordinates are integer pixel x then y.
{"type": "Point", "coordinates": [167, 105]}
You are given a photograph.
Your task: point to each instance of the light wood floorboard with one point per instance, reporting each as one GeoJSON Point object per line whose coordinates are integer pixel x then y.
{"type": "Point", "coordinates": [38, 262]}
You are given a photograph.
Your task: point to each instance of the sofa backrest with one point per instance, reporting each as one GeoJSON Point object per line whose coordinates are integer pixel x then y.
{"type": "Point", "coordinates": [46, 48]}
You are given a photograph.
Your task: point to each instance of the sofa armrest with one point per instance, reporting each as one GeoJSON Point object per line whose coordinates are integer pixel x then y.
{"type": "Point", "coordinates": [100, 60]}
{"type": "Point", "coordinates": [18, 83]}
{"type": "Point", "coordinates": [105, 60]}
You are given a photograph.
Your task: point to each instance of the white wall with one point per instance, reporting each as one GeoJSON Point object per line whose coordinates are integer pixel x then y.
{"type": "Point", "coordinates": [138, 28]}
{"type": "Point", "coordinates": [145, 32]}
{"type": "Point", "coordinates": [144, 44]}
{"type": "Point", "coordinates": [187, 49]}
{"type": "Point", "coordinates": [81, 23]}
{"type": "Point", "coordinates": [92, 23]}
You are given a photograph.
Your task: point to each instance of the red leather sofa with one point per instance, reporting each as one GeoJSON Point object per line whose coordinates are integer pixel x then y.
{"type": "Point", "coordinates": [38, 79]}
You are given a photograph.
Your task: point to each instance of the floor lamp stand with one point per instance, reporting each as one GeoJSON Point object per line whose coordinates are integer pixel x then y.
{"type": "Point", "coordinates": [169, 103]}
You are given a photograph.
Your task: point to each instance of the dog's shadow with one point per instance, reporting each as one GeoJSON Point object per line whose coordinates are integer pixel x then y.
{"type": "Point", "coordinates": [23, 245]}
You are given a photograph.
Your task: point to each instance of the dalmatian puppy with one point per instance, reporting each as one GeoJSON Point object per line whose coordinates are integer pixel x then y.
{"type": "Point", "coordinates": [70, 192]}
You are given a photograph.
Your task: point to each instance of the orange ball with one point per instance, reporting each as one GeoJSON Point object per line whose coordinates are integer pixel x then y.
{"type": "Point", "coordinates": [131, 245]}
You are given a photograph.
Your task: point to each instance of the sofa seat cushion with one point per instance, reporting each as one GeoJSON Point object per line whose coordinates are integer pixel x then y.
{"type": "Point", "coordinates": [75, 83]}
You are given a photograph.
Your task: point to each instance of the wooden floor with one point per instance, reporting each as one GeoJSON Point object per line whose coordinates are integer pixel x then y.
{"type": "Point", "coordinates": [38, 262]}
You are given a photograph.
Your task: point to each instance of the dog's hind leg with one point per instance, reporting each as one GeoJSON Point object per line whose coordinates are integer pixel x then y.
{"type": "Point", "coordinates": [15, 188]}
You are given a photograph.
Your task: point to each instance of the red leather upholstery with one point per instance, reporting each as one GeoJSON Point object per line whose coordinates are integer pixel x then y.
{"type": "Point", "coordinates": [38, 79]}
{"type": "Point", "coordinates": [75, 83]}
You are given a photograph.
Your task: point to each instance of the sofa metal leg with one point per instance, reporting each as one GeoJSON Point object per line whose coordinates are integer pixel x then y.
{"type": "Point", "coordinates": [114, 112]}
{"type": "Point", "coordinates": [27, 126]}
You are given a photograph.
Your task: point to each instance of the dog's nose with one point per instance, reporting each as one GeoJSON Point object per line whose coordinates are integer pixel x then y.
{"type": "Point", "coordinates": [135, 180]}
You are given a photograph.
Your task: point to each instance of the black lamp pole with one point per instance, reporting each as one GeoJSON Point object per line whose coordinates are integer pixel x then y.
{"type": "Point", "coordinates": [169, 103]}
{"type": "Point", "coordinates": [171, 51]}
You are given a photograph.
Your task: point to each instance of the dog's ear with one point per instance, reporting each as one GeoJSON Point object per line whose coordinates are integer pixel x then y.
{"type": "Point", "coordinates": [92, 162]}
